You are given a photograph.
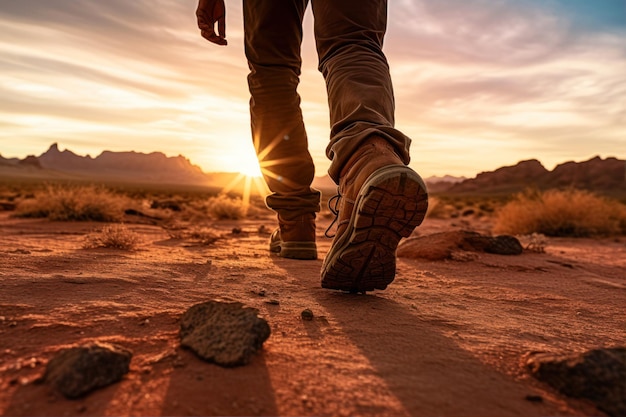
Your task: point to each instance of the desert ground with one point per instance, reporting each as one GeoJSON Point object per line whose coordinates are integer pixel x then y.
{"type": "Point", "coordinates": [447, 338]}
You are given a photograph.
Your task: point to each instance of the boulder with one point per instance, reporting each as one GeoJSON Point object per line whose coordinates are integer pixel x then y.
{"type": "Point", "coordinates": [443, 245]}
{"type": "Point", "coordinates": [225, 333]}
{"type": "Point", "coordinates": [79, 370]}
{"type": "Point", "coordinates": [598, 375]}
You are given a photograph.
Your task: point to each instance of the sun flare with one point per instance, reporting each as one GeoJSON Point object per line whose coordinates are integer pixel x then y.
{"type": "Point", "coordinates": [249, 165]}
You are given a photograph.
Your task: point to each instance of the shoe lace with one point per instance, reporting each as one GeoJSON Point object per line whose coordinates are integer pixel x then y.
{"type": "Point", "coordinates": [333, 206]}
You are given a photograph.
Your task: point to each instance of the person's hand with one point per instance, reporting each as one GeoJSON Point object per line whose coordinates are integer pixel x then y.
{"type": "Point", "coordinates": [208, 13]}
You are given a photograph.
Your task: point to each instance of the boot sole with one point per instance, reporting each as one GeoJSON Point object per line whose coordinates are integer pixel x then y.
{"type": "Point", "coordinates": [392, 202]}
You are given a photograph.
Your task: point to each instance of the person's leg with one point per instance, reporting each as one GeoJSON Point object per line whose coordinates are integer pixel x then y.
{"type": "Point", "coordinates": [381, 199]}
{"type": "Point", "coordinates": [349, 36]}
{"type": "Point", "coordinates": [273, 34]}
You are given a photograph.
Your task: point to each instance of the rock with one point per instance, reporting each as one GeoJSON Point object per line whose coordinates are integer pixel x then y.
{"type": "Point", "coordinates": [499, 245]}
{"type": "Point", "coordinates": [598, 375]}
{"type": "Point", "coordinates": [307, 314]}
{"type": "Point", "coordinates": [439, 246]}
{"type": "Point", "coordinates": [226, 333]}
{"type": "Point", "coordinates": [31, 160]}
{"type": "Point", "coordinates": [79, 370]}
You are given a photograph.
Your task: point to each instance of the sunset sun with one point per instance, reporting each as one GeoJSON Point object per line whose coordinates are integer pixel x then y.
{"type": "Point", "coordinates": [249, 165]}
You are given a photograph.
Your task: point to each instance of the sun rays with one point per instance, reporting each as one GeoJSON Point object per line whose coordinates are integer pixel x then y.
{"type": "Point", "coordinates": [250, 180]}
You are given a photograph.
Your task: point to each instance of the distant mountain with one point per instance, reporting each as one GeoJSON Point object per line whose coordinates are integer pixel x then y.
{"type": "Point", "coordinates": [446, 178]}
{"type": "Point", "coordinates": [597, 174]}
{"type": "Point", "coordinates": [8, 161]}
{"type": "Point", "coordinates": [440, 184]}
{"type": "Point", "coordinates": [127, 166]}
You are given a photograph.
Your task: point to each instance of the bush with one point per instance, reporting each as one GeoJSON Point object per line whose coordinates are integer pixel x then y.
{"type": "Point", "coordinates": [116, 236]}
{"type": "Point", "coordinates": [75, 203]}
{"type": "Point", "coordinates": [570, 212]}
{"type": "Point", "coordinates": [223, 207]}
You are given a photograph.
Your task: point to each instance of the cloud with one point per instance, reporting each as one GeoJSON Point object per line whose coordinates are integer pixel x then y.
{"type": "Point", "coordinates": [511, 80]}
{"type": "Point", "coordinates": [519, 79]}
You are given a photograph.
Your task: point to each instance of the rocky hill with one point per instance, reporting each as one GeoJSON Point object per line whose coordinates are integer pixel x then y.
{"type": "Point", "coordinates": [127, 166]}
{"type": "Point", "coordinates": [596, 174]}
{"type": "Point", "coordinates": [8, 161]}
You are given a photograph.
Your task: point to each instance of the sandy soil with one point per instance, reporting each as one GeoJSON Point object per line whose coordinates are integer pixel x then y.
{"type": "Point", "coordinates": [446, 338]}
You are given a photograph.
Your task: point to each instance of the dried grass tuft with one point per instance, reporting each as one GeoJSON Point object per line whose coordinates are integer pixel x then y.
{"type": "Point", "coordinates": [223, 207]}
{"type": "Point", "coordinates": [115, 236]}
{"type": "Point", "coordinates": [562, 213]}
{"type": "Point", "coordinates": [74, 203]}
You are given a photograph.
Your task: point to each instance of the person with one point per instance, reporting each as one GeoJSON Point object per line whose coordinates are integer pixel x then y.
{"type": "Point", "coordinates": [380, 198]}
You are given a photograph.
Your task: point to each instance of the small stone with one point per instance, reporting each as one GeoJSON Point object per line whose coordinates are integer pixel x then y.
{"type": "Point", "coordinates": [273, 302]}
{"type": "Point", "coordinates": [307, 314]}
{"type": "Point", "coordinates": [504, 245]}
{"type": "Point", "coordinates": [598, 375]}
{"type": "Point", "coordinates": [534, 398]}
{"type": "Point", "coordinates": [79, 370]}
{"type": "Point", "coordinates": [226, 333]}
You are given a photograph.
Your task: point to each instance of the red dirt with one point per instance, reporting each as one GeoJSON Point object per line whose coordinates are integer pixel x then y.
{"type": "Point", "coordinates": [446, 338]}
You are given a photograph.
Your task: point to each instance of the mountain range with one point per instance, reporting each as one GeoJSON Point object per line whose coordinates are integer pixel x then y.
{"type": "Point", "coordinates": [152, 167]}
{"type": "Point", "coordinates": [597, 174]}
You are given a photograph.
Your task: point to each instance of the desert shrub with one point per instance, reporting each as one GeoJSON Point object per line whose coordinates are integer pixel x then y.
{"type": "Point", "coordinates": [223, 207]}
{"type": "Point", "coordinates": [439, 209]}
{"type": "Point", "coordinates": [82, 203]}
{"type": "Point", "coordinates": [116, 236]}
{"type": "Point", "coordinates": [570, 212]}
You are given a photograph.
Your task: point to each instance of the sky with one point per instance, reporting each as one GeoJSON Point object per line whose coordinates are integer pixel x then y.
{"type": "Point", "coordinates": [479, 84]}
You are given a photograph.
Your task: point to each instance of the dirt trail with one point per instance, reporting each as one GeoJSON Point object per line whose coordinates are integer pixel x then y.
{"type": "Point", "coordinates": [446, 338]}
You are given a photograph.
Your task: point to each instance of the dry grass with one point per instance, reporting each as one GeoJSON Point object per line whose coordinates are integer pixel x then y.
{"type": "Point", "coordinates": [224, 207]}
{"type": "Point", "coordinates": [80, 202]}
{"type": "Point", "coordinates": [73, 203]}
{"type": "Point", "coordinates": [575, 213]}
{"type": "Point", "coordinates": [455, 206]}
{"type": "Point", "coordinates": [116, 236]}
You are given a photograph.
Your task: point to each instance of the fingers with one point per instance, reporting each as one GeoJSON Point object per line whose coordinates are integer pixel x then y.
{"type": "Point", "coordinates": [209, 13]}
{"type": "Point", "coordinates": [211, 36]}
{"type": "Point", "coordinates": [219, 13]}
{"type": "Point", "coordinates": [207, 30]}
{"type": "Point", "coordinates": [221, 27]}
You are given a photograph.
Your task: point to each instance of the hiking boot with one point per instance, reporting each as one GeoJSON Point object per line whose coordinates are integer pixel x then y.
{"type": "Point", "coordinates": [380, 201]}
{"type": "Point", "coordinates": [295, 238]}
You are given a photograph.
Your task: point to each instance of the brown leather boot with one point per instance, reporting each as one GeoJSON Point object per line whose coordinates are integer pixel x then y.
{"type": "Point", "coordinates": [381, 200]}
{"type": "Point", "coordinates": [295, 238]}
